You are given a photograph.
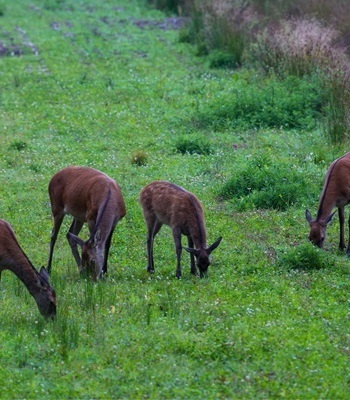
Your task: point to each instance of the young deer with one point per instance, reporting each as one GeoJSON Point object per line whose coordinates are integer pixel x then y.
{"type": "Point", "coordinates": [166, 203]}
{"type": "Point", "coordinates": [335, 193]}
{"type": "Point", "coordinates": [89, 196]}
{"type": "Point", "coordinates": [14, 259]}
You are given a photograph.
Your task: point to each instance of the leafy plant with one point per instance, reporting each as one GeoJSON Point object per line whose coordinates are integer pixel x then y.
{"type": "Point", "coordinates": [193, 145]}
{"type": "Point", "coordinates": [291, 104]}
{"type": "Point", "coordinates": [139, 158]}
{"type": "Point", "coordinates": [19, 145]}
{"type": "Point", "coordinates": [304, 257]}
{"type": "Point", "coordinates": [265, 182]}
{"type": "Point", "coordinates": [175, 6]}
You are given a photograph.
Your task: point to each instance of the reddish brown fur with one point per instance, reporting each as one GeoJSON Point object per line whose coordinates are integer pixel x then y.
{"type": "Point", "coordinates": [14, 259]}
{"type": "Point", "coordinates": [335, 193]}
{"type": "Point", "coordinates": [89, 196]}
{"type": "Point", "coordinates": [166, 203]}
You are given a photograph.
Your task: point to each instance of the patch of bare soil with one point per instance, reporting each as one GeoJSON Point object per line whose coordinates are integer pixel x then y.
{"type": "Point", "coordinates": [16, 43]}
{"type": "Point", "coordinates": [166, 24]}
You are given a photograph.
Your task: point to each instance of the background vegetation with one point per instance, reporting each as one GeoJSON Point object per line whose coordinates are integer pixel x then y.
{"type": "Point", "coordinates": [226, 99]}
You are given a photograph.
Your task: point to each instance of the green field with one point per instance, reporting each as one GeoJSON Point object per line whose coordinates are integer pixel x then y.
{"type": "Point", "coordinates": [109, 85]}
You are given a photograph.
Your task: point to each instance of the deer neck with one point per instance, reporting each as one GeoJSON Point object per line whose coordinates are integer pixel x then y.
{"type": "Point", "coordinates": [24, 270]}
{"type": "Point", "coordinates": [199, 237]}
{"type": "Point", "coordinates": [326, 204]}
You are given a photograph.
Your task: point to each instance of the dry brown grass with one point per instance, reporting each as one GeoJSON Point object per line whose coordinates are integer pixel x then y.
{"type": "Point", "coordinates": [300, 46]}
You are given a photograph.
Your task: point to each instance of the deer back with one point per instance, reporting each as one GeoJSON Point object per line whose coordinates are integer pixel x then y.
{"type": "Point", "coordinates": [336, 188]}
{"type": "Point", "coordinates": [81, 192]}
{"type": "Point", "coordinates": [176, 207]}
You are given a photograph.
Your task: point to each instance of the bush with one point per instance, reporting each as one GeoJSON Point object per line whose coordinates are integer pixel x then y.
{"type": "Point", "coordinates": [139, 158]}
{"type": "Point", "coordinates": [220, 26]}
{"type": "Point", "coordinates": [193, 145]}
{"type": "Point", "coordinates": [291, 104]}
{"type": "Point", "coordinates": [18, 145]}
{"type": "Point", "coordinates": [303, 257]}
{"type": "Point", "coordinates": [223, 59]}
{"type": "Point", "coordinates": [266, 183]}
{"type": "Point", "coordinates": [175, 6]}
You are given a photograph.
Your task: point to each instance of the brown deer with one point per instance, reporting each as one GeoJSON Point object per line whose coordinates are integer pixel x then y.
{"type": "Point", "coordinates": [335, 193]}
{"type": "Point", "coordinates": [166, 203]}
{"type": "Point", "coordinates": [14, 259]}
{"type": "Point", "coordinates": [88, 196]}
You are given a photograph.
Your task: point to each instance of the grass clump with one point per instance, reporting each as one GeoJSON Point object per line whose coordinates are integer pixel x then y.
{"type": "Point", "coordinates": [266, 103]}
{"type": "Point", "coordinates": [193, 145]}
{"type": "Point", "coordinates": [175, 6]}
{"type": "Point", "coordinates": [264, 182]}
{"type": "Point", "coordinates": [18, 145]}
{"type": "Point", "coordinates": [303, 257]}
{"type": "Point", "coordinates": [139, 158]}
{"type": "Point", "coordinates": [219, 29]}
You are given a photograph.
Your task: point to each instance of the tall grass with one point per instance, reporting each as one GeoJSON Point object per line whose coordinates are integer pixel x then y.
{"type": "Point", "coordinates": [306, 47]}
{"type": "Point", "coordinates": [221, 29]}
{"type": "Point", "coordinates": [284, 37]}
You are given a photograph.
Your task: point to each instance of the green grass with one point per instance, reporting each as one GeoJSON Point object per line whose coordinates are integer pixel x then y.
{"type": "Point", "coordinates": [111, 86]}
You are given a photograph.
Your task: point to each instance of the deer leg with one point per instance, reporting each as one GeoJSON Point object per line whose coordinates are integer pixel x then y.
{"type": "Point", "coordinates": [75, 228]}
{"type": "Point", "coordinates": [348, 249]}
{"type": "Point", "coordinates": [178, 249]}
{"type": "Point", "coordinates": [341, 228]}
{"type": "Point", "coordinates": [193, 264]}
{"type": "Point", "coordinates": [107, 246]}
{"type": "Point", "coordinates": [153, 228]}
{"type": "Point", "coordinates": [58, 218]}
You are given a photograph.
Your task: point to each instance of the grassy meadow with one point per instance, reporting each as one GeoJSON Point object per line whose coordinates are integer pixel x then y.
{"type": "Point", "coordinates": [109, 85]}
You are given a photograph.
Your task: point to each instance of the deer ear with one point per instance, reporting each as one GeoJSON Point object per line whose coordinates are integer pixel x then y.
{"type": "Point", "coordinates": [308, 216]}
{"type": "Point", "coordinates": [329, 219]}
{"type": "Point", "coordinates": [44, 274]}
{"type": "Point", "coordinates": [193, 251]}
{"type": "Point", "coordinates": [214, 245]}
{"type": "Point", "coordinates": [97, 236]}
{"type": "Point", "coordinates": [76, 239]}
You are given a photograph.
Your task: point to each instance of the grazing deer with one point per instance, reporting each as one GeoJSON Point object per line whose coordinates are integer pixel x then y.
{"type": "Point", "coordinates": [335, 193]}
{"type": "Point", "coordinates": [166, 203]}
{"type": "Point", "coordinates": [14, 259]}
{"type": "Point", "coordinates": [89, 196]}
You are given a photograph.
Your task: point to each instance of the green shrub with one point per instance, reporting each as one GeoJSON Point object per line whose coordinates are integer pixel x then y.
{"type": "Point", "coordinates": [18, 145]}
{"type": "Point", "coordinates": [139, 158]}
{"type": "Point", "coordinates": [336, 114]}
{"type": "Point", "coordinates": [175, 6]}
{"type": "Point", "coordinates": [223, 59]}
{"type": "Point", "coordinates": [219, 27]}
{"type": "Point", "coordinates": [193, 145]}
{"type": "Point", "coordinates": [303, 257]}
{"type": "Point", "coordinates": [266, 183]}
{"type": "Point", "coordinates": [294, 103]}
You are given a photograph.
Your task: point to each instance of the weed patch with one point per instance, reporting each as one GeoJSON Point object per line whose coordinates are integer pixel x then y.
{"type": "Point", "coordinates": [139, 158]}
{"type": "Point", "coordinates": [264, 182]}
{"type": "Point", "coordinates": [290, 104]}
{"type": "Point", "coordinates": [193, 145]}
{"type": "Point", "coordinates": [304, 257]}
